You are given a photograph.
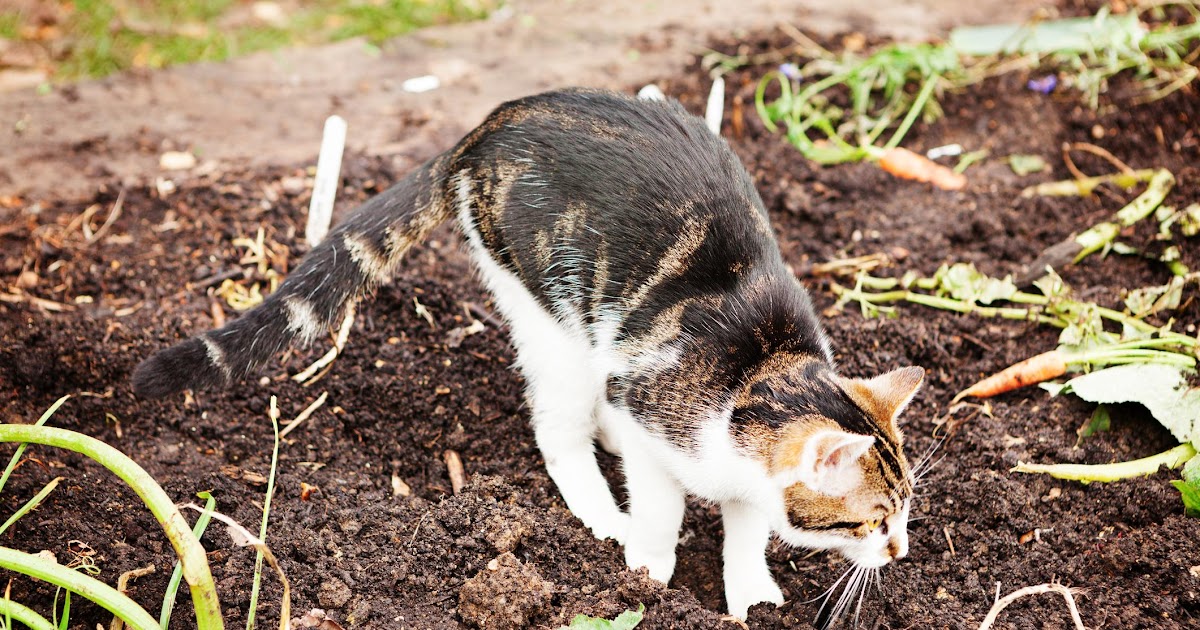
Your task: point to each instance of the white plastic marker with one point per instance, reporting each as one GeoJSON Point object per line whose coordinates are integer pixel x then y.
{"type": "Point", "coordinates": [329, 169]}
{"type": "Point", "coordinates": [651, 92]}
{"type": "Point", "coordinates": [716, 106]}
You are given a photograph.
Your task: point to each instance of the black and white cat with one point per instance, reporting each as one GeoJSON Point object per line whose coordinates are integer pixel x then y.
{"type": "Point", "coordinates": [650, 310]}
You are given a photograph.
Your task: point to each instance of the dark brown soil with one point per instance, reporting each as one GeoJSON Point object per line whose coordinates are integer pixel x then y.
{"type": "Point", "coordinates": [505, 552]}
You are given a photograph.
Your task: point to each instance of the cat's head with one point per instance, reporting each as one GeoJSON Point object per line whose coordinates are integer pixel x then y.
{"type": "Point", "coordinates": [838, 463]}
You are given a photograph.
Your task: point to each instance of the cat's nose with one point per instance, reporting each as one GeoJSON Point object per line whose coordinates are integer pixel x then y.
{"type": "Point", "coordinates": [897, 547]}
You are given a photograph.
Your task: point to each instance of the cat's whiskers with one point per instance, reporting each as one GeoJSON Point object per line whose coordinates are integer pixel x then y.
{"type": "Point", "coordinates": [860, 581]}
{"type": "Point", "coordinates": [829, 591]}
{"type": "Point", "coordinates": [926, 462]}
{"type": "Point", "coordinates": [926, 466]}
{"type": "Point", "coordinates": [870, 579]}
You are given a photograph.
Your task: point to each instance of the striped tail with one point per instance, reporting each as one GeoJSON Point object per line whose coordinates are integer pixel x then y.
{"type": "Point", "coordinates": [359, 254]}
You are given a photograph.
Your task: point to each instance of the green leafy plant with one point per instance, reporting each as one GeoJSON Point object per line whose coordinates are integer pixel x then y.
{"type": "Point", "coordinates": [1189, 487]}
{"type": "Point", "coordinates": [879, 92]}
{"type": "Point", "coordinates": [1163, 390]}
{"type": "Point", "coordinates": [192, 557]}
{"type": "Point", "coordinates": [627, 620]}
{"type": "Point", "coordinates": [273, 413]}
{"type": "Point", "coordinates": [962, 288]}
{"type": "Point", "coordinates": [168, 605]}
{"type": "Point", "coordinates": [837, 108]}
{"type": "Point", "coordinates": [1141, 363]}
{"type": "Point", "coordinates": [1090, 51]}
{"type": "Point", "coordinates": [100, 37]}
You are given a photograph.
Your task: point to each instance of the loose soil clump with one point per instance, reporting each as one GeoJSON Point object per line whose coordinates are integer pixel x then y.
{"type": "Point", "coordinates": [365, 522]}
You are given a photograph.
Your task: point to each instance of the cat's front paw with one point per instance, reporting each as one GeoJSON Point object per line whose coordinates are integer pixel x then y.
{"type": "Point", "coordinates": [614, 526]}
{"type": "Point", "coordinates": [660, 564]}
{"type": "Point", "coordinates": [742, 594]}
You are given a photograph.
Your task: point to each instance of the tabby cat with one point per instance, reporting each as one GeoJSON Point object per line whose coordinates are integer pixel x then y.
{"type": "Point", "coordinates": [650, 310]}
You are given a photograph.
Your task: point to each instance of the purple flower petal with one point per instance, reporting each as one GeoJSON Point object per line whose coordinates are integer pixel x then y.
{"type": "Point", "coordinates": [1045, 85]}
{"type": "Point", "coordinates": [790, 70]}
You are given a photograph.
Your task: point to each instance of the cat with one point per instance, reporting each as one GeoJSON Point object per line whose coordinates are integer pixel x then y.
{"type": "Point", "coordinates": [651, 311]}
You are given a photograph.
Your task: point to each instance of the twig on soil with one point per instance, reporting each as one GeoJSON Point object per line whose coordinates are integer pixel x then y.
{"type": "Point", "coordinates": [122, 583]}
{"type": "Point", "coordinates": [306, 377]}
{"type": "Point", "coordinates": [850, 266]}
{"type": "Point", "coordinates": [399, 488]}
{"type": "Point", "coordinates": [304, 415]}
{"type": "Point", "coordinates": [44, 304]}
{"type": "Point", "coordinates": [219, 278]}
{"type": "Point", "coordinates": [483, 313]}
{"type": "Point", "coordinates": [417, 529]}
{"type": "Point", "coordinates": [454, 467]}
{"type": "Point", "coordinates": [113, 215]}
{"type": "Point", "coordinates": [949, 541]}
{"type": "Point", "coordinates": [218, 314]}
{"type": "Point", "coordinates": [735, 621]}
{"type": "Point", "coordinates": [1100, 152]}
{"type": "Point", "coordinates": [423, 312]}
{"type": "Point", "coordinates": [1052, 587]}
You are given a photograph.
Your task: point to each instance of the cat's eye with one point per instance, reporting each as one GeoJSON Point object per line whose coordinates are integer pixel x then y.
{"type": "Point", "coordinates": [873, 524]}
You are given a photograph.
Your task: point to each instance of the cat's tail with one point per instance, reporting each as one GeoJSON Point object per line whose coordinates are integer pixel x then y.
{"type": "Point", "coordinates": [360, 253]}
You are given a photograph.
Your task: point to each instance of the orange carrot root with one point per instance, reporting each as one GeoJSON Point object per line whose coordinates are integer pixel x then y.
{"type": "Point", "coordinates": [1036, 369]}
{"type": "Point", "coordinates": [908, 165]}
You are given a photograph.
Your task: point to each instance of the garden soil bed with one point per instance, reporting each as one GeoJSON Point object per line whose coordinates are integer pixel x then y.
{"type": "Point", "coordinates": [365, 521]}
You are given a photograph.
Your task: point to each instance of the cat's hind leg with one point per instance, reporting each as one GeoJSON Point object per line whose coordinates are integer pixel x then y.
{"type": "Point", "coordinates": [563, 388]}
{"type": "Point", "coordinates": [563, 393]}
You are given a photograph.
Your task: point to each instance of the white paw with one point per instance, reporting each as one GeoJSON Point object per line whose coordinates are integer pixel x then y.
{"type": "Point", "coordinates": [614, 526]}
{"type": "Point", "coordinates": [742, 594]}
{"type": "Point", "coordinates": [660, 564]}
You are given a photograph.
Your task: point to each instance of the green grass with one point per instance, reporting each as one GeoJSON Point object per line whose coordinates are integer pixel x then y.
{"type": "Point", "coordinates": [100, 37]}
{"type": "Point", "coordinates": [10, 25]}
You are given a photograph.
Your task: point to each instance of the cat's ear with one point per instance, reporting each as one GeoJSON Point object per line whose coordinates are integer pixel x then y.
{"type": "Point", "coordinates": [886, 395]}
{"type": "Point", "coordinates": [829, 459]}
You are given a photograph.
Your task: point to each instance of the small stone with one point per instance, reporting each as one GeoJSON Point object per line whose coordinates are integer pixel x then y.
{"type": "Point", "coordinates": [176, 161]}
{"type": "Point", "coordinates": [505, 531]}
{"type": "Point", "coordinates": [333, 593]}
{"type": "Point", "coordinates": [350, 526]}
{"type": "Point", "coordinates": [293, 185]}
{"type": "Point", "coordinates": [27, 280]}
{"type": "Point", "coordinates": [507, 596]}
{"type": "Point", "coordinates": [399, 488]}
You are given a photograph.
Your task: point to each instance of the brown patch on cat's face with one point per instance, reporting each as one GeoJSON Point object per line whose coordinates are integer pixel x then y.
{"type": "Point", "coordinates": [786, 447]}
{"type": "Point", "coordinates": [871, 497]}
{"type": "Point", "coordinates": [875, 486]}
{"type": "Point", "coordinates": [885, 396]}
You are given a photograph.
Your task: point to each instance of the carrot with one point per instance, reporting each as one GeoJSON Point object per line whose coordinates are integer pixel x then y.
{"type": "Point", "coordinates": [1036, 369]}
{"type": "Point", "coordinates": [908, 165]}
